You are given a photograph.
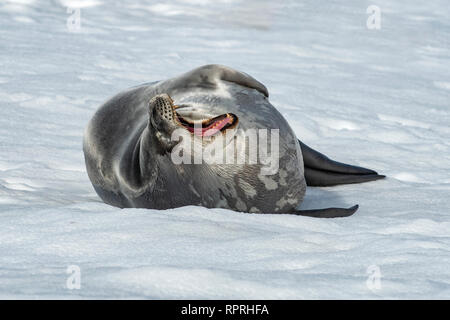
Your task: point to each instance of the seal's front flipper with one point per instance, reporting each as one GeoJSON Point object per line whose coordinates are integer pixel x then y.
{"type": "Point", "coordinates": [322, 171]}
{"type": "Point", "coordinates": [328, 212]}
{"type": "Point", "coordinates": [208, 75]}
{"type": "Point", "coordinates": [241, 78]}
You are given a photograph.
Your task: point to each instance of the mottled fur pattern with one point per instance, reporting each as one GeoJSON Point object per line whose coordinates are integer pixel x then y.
{"type": "Point", "coordinates": [128, 157]}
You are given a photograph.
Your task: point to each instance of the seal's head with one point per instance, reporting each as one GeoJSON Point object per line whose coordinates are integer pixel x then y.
{"type": "Point", "coordinates": [165, 119]}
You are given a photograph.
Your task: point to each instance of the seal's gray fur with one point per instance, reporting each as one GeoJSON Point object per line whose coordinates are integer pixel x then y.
{"type": "Point", "coordinates": [127, 149]}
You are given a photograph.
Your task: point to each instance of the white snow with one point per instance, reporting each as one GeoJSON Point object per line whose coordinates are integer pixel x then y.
{"type": "Point", "coordinates": [376, 98]}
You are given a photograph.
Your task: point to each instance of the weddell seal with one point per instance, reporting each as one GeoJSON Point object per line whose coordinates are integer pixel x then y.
{"type": "Point", "coordinates": [209, 137]}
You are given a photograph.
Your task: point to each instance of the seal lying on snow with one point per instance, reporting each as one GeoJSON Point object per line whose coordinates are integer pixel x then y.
{"type": "Point", "coordinates": [142, 148]}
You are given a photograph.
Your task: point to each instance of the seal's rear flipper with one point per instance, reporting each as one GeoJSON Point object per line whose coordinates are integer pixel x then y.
{"type": "Point", "coordinates": [322, 171]}
{"type": "Point", "coordinates": [318, 178]}
{"type": "Point", "coordinates": [328, 212]}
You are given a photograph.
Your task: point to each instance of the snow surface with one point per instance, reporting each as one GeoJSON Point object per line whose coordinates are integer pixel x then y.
{"type": "Point", "coordinates": [377, 98]}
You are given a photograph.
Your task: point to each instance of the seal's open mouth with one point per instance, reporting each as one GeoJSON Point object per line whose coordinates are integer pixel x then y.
{"type": "Point", "coordinates": [163, 105]}
{"type": "Point", "coordinates": [208, 127]}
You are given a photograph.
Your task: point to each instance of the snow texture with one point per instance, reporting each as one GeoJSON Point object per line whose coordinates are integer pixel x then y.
{"type": "Point", "coordinates": [378, 98]}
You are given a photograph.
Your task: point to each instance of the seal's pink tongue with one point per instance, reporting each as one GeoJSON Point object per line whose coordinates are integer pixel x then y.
{"type": "Point", "coordinates": [212, 128]}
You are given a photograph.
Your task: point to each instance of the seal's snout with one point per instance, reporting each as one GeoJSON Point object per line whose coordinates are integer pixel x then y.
{"type": "Point", "coordinates": [162, 107]}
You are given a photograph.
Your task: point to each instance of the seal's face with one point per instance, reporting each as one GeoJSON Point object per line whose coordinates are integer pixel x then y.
{"type": "Point", "coordinates": [165, 119]}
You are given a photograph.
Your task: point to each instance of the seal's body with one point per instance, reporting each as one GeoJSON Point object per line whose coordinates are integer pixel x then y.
{"type": "Point", "coordinates": [132, 157]}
